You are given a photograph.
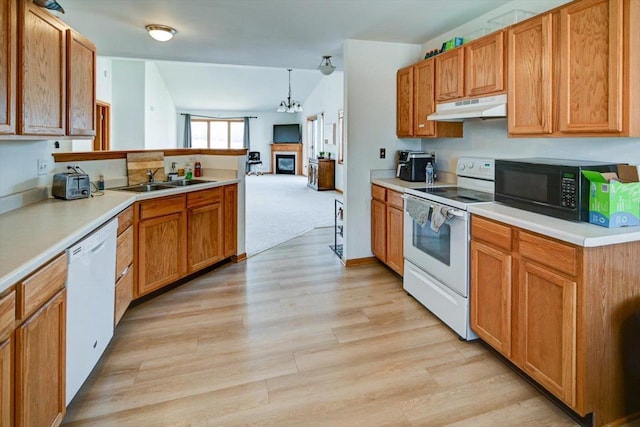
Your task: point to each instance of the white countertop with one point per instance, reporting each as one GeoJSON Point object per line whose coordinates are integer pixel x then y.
{"type": "Point", "coordinates": [32, 235]}
{"type": "Point", "coordinates": [577, 233]}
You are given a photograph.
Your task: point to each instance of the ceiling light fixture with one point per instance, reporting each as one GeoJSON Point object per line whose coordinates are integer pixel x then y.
{"type": "Point", "coordinates": [289, 106]}
{"type": "Point", "coordinates": [325, 66]}
{"type": "Point", "coordinates": [162, 33]}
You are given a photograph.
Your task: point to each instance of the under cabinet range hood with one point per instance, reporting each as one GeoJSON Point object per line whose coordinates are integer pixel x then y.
{"type": "Point", "coordinates": [476, 108]}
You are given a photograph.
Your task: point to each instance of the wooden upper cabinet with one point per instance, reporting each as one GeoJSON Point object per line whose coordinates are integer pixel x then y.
{"type": "Point", "coordinates": [424, 77]}
{"type": "Point", "coordinates": [8, 44]}
{"type": "Point", "coordinates": [450, 75]}
{"type": "Point", "coordinates": [530, 108]}
{"type": "Point", "coordinates": [81, 85]}
{"type": "Point", "coordinates": [404, 102]}
{"type": "Point", "coordinates": [591, 66]}
{"type": "Point", "coordinates": [42, 65]}
{"type": "Point", "coordinates": [484, 61]}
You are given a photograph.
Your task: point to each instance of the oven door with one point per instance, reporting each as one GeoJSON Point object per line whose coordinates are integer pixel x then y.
{"type": "Point", "coordinates": [444, 254]}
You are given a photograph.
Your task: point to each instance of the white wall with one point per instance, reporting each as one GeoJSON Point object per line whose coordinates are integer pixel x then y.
{"type": "Point", "coordinates": [127, 112]}
{"type": "Point", "coordinates": [19, 165]}
{"type": "Point", "coordinates": [104, 87]}
{"type": "Point", "coordinates": [370, 121]}
{"type": "Point", "coordinates": [327, 98]}
{"type": "Point", "coordinates": [160, 111]}
{"type": "Point", "coordinates": [260, 128]}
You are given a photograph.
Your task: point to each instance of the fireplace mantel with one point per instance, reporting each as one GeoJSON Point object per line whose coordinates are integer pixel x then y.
{"type": "Point", "coordinates": [291, 148]}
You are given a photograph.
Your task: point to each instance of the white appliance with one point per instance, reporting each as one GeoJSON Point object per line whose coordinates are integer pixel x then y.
{"type": "Point", "coordinates": [476, 108]}
{"type": "Point", "coordinates": [436, 265]}
{"type": "Point", "coordinates": [90, 303]}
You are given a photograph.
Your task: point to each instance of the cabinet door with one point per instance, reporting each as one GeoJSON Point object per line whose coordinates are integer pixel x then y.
{"type": "Point", "coordinates": [491, 296]}
{"type": "Point", "coordinates": [548, 329]}
{"type": "Point", "coordinates": [205, 236]}
{"type": "Point", "coordinates": [450, 75]}
{"type": "Point", "coordinates": [8, 44]}
{"type": "Point", "coordinates": [591, 66]}
{"type": "Point", "coordinates": [395, 239]}
{"type": "Point", "coordinates": [379, 230]}
{"type": "Point", "coordinates": [230, 220]}
{"type": "Point", "coordinates": [81, 85]}
{"type": "Point", "coordinates": [404, 102]}
{"type": "Point", "coordinates": [424, 102]}
{"type": "Point", "coordinates": [40, 366]}
{"type": "Point", "coordinates": [161, 251]}
{"type": "Point", "coordinates": [484, 65]}
{"type": "Point", "coordinates": [42, 66]}
{"type": "Point", "coordinates": [6, 383]}
{"type": "Point", "coordinates": [530, 108]}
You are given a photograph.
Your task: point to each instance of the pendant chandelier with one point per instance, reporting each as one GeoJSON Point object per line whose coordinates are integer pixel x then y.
{"type": "Point", "coordinates": [289, 106]}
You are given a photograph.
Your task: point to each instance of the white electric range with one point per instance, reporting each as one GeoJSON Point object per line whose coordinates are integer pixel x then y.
{"type": "Point", "coordinates": [436, 242]}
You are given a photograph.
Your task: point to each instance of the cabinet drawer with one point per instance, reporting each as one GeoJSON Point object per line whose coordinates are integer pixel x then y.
{"type": "Point", "coordinates": [124, 251]}
{"type": "Point", "coordinates": [7, 314]}
{"type": "Point", "coordinates": [125, 219]}
{"type": "Point", "coordinates": [551, 253]}
{"type": "Point", "coordinates": [41, 286]}
{"type": "Point", "coordinates": [491, 232]}
{"type": "Point", "coordinates": [395, 199]}
{"type": "Point", "coordinates": [379, 193]}
{"type": "Point", "coordinates": [204, 197]}
{"type": "Point", "coordinates": [160, 207]}
{"type": "Point", "coordinates": [124, 295]}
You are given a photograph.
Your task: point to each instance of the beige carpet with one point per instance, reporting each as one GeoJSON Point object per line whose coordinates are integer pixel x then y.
{"type": "Point", "coordinates": [280, 207]}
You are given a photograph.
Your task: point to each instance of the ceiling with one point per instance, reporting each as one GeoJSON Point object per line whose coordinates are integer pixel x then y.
{"type": "Point", "coordinates": [257, 33]}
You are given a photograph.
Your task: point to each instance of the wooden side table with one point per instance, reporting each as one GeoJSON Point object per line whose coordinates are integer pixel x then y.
{"type": "Point", "coordinates": [321, 174]}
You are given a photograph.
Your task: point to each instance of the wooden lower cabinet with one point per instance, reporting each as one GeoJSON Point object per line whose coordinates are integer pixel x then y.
{"type": "Point", "coordinates": [321, 174]}
{"type": "Point", "coordinates": [230, 220]}
{"type": "Point", "coordinates": [40, 365]}
{"type": "Point", "coordinates": [6, 382]}
{"type": "Point", "coordinates": [205, 229]}
{"type": "Point", "coordinates": [564, 314]}
{"type": "Point", "coordinates": [387, 227]}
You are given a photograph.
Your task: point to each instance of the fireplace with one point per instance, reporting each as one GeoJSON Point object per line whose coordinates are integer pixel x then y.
{"type": "Point", "coordinates": [286, 164]}
{"type": "Point", "coordinates": [287, 150]}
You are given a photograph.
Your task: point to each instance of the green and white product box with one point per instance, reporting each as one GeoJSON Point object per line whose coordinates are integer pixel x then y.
{"type": "Point", "coordinates": [612, 202]}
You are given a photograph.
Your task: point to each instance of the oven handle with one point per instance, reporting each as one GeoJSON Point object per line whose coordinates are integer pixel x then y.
{"type": "Point", "coordinates": [453, 211]}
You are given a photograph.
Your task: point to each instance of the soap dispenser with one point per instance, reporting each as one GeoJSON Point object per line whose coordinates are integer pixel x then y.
{"type": "Point", "coordinates": [173, 173]}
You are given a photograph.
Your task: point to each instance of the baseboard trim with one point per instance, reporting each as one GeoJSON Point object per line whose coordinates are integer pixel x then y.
{"type": "Point", "coordinates": [239, 258]}
{"type": "Point", "coordinates": [360, 261]}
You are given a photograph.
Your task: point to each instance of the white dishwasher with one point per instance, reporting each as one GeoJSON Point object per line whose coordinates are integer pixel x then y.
{"type": "Point", "coordinates": [90, 303]}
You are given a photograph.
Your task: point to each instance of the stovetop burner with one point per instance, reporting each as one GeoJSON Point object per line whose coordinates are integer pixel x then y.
{"type": "Point", "coordinates": [459, 194]}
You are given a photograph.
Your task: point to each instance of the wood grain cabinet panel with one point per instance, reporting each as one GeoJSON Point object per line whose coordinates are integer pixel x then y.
{"type": "Point", "coordinates": [491, 295]}
{"type": "Point", "coordinates": [450, 75]}
{"type": "Point", "coordinates": [387, 227]}
{"type": "Point", "coordinates": [379, 230]}
{"type": "Point", "coordinates": [41, 286]}
{"type": "Point", "coordinates": [530, 64]}
{"type": "Point", "coordinates": [7, 314]}
{"type": "Point", "coordinates": [8, 47]}
{"type": "Point", "coordinates": [124, 252]}
{"type": "Point", "coordinates": [230, 220]}
{"type": "Point", "coordinates": [404, 102]}
{"type": "Point", "coordinates": [81, 85]}
{"type": "Point", "coordinates": [591, 66]}
{"type": "Point", "coordinates": [424, 98]}
{"type": "Point", "coordinates": [205, 236]}
{"type": "Point", "coordinates": [124, 295]}
{"type": "Point", "coordinates": [484, 61]}
{"type": "Point", "coordinates": [6, 382]}
{"type": "Point", "coordinates": [42, 64]}
{"type": "Point", "coordinates": [395, 249]}
{"type": "Point", "coordinates": [321, 174]}
{"type": "Point", "coordinates": [40, 366]}
{"type": "Point", "coordinates": [548, 327]}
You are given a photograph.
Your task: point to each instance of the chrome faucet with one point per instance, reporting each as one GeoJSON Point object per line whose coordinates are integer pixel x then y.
{"type": "Point", "coordinates": [152, 175]}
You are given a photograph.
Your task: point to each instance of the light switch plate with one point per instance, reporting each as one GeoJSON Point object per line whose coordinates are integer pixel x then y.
{"type": "Point", "coordinates": [383, 153]}
{"type": "Point", "coordinates": [43, 166]}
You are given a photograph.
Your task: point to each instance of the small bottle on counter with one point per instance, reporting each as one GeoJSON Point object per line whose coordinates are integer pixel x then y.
{"type": "Point", "coordinates": [173, 173]}
{"type": "Point", "coordinates": [101, 183]}
{"type": "Point", "coordinates": [188, 171]}
{"type": "Point", "coordinates": [198, 169]}
{"type": "Point", "coordinates": [429, 173]}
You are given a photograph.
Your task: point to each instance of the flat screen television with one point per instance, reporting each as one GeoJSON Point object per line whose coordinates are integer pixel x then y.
{"type": "Point", "coordinates": [286, 133]}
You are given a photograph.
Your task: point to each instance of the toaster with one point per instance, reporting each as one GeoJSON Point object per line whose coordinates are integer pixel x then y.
{"type": "Point", "coordinates": [71, 186]}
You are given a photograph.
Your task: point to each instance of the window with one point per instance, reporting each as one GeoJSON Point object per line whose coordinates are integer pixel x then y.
{"type": "Point", "coordinates": [217, 133]}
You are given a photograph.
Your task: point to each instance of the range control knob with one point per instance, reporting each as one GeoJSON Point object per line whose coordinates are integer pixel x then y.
{"type": "Point", "coordinates": [470, 165]}
{"type": "Point", "coordinates": [461, 166]}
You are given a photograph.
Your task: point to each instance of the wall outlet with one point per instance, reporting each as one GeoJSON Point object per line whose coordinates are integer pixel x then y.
{"type": "Point", "coordinates": [383, 153]}
{"type": "Point", "coordinates": [43, 166]}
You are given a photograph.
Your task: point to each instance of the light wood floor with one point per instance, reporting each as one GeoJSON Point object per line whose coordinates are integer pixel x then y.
{"type": "Point", "coordinates": [291, 337]}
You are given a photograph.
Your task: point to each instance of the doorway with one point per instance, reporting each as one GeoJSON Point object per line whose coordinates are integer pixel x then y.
{"type": "Point", "coordinates": [102, 141]}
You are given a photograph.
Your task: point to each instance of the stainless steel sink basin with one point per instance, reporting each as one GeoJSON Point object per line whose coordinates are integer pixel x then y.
{"type": "Point", "coordinates": [145, 188]}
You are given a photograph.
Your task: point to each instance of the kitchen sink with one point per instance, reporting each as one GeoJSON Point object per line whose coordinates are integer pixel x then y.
{"type": "Point", "coordinates": [184, 182]}
{"type": "Point", "coordinates": [145, 188]}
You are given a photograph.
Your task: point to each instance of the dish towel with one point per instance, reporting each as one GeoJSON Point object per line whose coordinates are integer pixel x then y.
{"type": "Point", "coordinates": [418, 210]}
{"type": "Point", "coordinates": [438, 217]}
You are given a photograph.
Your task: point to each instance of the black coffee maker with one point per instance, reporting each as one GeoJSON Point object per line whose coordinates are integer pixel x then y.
{"type": "Point", "coordinates": [412, 165]}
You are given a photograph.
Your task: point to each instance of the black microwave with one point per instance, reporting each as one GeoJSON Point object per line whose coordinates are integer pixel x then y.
{"type": "Point", "coordinates": [553, 187]}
